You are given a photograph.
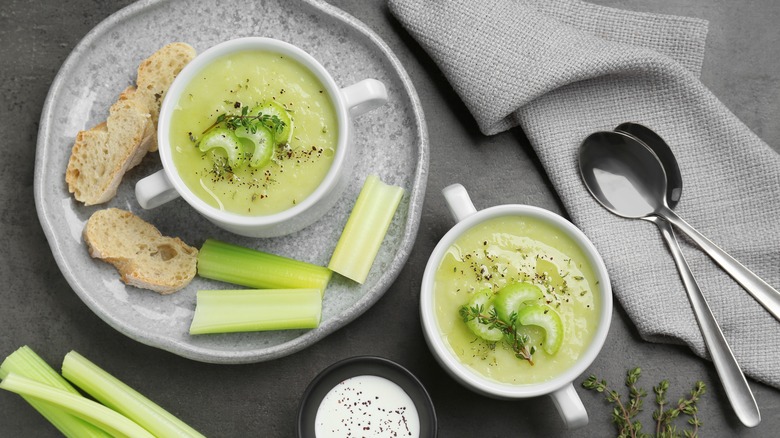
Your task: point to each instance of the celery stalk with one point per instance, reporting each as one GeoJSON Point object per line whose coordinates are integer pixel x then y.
{"type": "Point", "coordinates": [365, 229]}
{"type": "Point", "coordinates": [223, 311]}
{"type": "Point", "coordinates": [258, 270]}
{"type": "Point", "coordinates": [118, 396]}
{"type": "Point", "coordinates": [26, 363]}
{"type": "Point", "coordinates": [111, 421]}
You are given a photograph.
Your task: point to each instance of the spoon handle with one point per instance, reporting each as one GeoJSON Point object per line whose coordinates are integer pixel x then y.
{"type": "Point", "coordinates": [731, 376]}
{"type": "Point", "coordinates": [765, 294]}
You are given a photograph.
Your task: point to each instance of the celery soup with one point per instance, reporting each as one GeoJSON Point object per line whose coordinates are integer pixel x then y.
{"type": "Point", "coordinates": [254, 133]}
{"type": "Point", "coordinates": [527, 277]}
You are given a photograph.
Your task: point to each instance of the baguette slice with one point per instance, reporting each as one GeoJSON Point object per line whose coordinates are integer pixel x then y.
{"type": "Point", "coordinates": [142, 255]}
{"type": "Point", "coordinates": [101, 155]}
{"type": "Point", "coordinates": [156, 74]}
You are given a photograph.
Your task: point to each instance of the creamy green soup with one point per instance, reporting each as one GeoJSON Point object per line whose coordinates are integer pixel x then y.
{"type": "Point", "coordinates": [508, 250]}
{"type": "Point", "coordinates": [229, 87]}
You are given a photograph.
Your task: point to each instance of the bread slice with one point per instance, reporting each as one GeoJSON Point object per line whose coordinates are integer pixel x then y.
{"type": "Point", "coordinates": [101, 155]}
{"type": "Point", "coordinates": [142, 255]}
{"type": "Point", "coordinates": [156, 74]}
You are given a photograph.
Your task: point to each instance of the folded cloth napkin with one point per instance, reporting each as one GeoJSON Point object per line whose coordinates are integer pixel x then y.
{"type": "Point", "coordinates": [562, 69]}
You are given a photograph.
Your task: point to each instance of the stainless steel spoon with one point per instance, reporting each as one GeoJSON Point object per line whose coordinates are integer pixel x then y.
{"type": "Point", "coordinates": [733, 380]}
{"type": "Point", "coordinates": [628, 179]}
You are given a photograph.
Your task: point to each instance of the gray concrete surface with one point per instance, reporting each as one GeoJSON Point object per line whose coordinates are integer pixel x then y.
{"type": "Point", "coordinates": [38, 308]}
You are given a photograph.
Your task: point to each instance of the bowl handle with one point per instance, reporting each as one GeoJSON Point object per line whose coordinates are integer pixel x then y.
{"type": "Point", "coordinates": [458, 201]}
{"type": "Point", "coordinates": [570, 407]}
{"type": "Point", "coordinates": [155, 190]}
{"type": "Point", "coordinates": [364, 96]}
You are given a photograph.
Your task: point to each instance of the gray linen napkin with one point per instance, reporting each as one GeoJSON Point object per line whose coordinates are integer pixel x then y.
{"type": "Point", "coordinates": [563, 69]}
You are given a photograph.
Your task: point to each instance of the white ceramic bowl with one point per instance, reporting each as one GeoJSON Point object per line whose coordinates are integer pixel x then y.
{"type": "Point", "coordinates": [348, 102]}
{"type": "Point", "coordinates": [560, 388]}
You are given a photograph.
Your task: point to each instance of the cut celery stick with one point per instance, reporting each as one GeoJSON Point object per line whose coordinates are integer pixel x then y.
{"type": "Point", "coordinates": [365, 229]}
{"type": "Point", "coordinates": [116, 395]}
{"type": "Point", "coordinates": [26, 363]}
{"type": "Point", "coordinates": [111, 421]}
{"type": "Point", "coordinates": [223, 311]}
{"type": "Point", "coordinates": [258, 270]}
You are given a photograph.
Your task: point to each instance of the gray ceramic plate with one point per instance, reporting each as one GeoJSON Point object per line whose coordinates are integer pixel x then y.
{"type": "Point", "coordinates": [392, 142]}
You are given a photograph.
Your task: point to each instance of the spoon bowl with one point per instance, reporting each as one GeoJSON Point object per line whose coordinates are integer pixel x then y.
{"type": "Point", "coordinates": [665, 155]}
{"type": "Point", "coordinates": [624, 175]}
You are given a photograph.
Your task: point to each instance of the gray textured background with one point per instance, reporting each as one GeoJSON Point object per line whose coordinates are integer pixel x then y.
{"type": "Point", "coordinates": [38, 308]}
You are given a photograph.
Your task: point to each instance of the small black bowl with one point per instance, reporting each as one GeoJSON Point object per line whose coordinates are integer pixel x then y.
{"type": "Point", "coordinates": [361, 366]}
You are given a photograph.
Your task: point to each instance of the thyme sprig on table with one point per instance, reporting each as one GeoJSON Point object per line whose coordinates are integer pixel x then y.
{"type": "Point", "coordinates": [518, 342]}
{"type": "Point", "coordinates": [249, 121]}
{"type": "Point", "coordinates": [624, 413]}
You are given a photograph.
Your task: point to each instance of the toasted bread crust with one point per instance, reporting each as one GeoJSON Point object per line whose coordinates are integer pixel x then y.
{"type": "Point", "coordinates": [142, 255]}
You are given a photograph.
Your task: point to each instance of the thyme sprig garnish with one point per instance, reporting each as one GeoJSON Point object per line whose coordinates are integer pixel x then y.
{"type": "Point", "coordinates": [624, 414]}
{"type": "Point", "coordinates": [249, 121]}
{"type": "Point", "coordinates": [517, 341]}
{"type": "Point", "coordinates": [685, 406]}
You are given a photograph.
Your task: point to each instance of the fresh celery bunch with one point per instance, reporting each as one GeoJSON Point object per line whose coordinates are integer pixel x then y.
{"type": "Point", "coordinates": [26, 363]}
{"type": "Point", "coordinates": [222, 311]}
{"type": "Point", "coordinates": [118, 396]}
{"type": "Point", "coordinates": [119, 410]}
{"type": "Point", "coordinates": [109, 420]}
{"type": "Point", "coordinates": [258, 270]}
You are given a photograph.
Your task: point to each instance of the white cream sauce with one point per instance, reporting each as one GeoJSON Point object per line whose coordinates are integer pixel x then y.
{"type": "Point", "coordinates": [367, 406]}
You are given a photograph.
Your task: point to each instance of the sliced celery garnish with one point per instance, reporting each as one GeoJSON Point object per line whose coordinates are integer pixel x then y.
{"type": "Point", "coordinates": [270, 109]}
{"type": "Point", "coordinates": [258, 270]}
{"type": "Point", "coordinates": [222, 311]}
{"type": "Point", "coordinates": [262, 141]}
{"type": "Point", "coordinates": [365, 229]}
{"type": "Point", "coordinates": [225, 139]}
{"type": "Point", "coordinates": [118, 396]}
{"type": "Point", "coordinates": [111, 421]}
{"type": "Point", "coordinates": [26, 363]}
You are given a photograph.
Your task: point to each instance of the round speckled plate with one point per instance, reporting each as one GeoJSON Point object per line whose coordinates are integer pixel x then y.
{"type": "Point", "coordinates": [392, 142]}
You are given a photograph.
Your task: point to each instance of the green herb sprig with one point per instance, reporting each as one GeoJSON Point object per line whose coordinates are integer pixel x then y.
{"type": "Point", "coordinates": [250, 122]}
{"type": "Point", "coordinates": [624, 413]}
{"type": "Point", "coordinates": [517, 341]}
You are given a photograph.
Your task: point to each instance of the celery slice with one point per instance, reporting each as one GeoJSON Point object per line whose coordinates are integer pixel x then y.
{"type": "Point", "coordinates": [118, 396]}
{"type": "Point", "coordinates": [547, 319]}
{"type": "Point", "coordinates": [225, 139]}
{"type": "Point", "coordinates": [111, 421]}
{"type": "Point", "coordinates": [26, 363]}
{"type": "Point", "coordinates": [262, 141]}
{"type": "Point", "coordinates": [282, 131]}
{"type": "Point", "coordinates": [224, 311]}
{"type": "Point", "coordinates": [510, 298]}
{"type": "Point", "coordinates": [258, 270]}
{"type": "Point", "coordinates": [365, 229]}
{"type": "Point", "coordinates": [483, 300]}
